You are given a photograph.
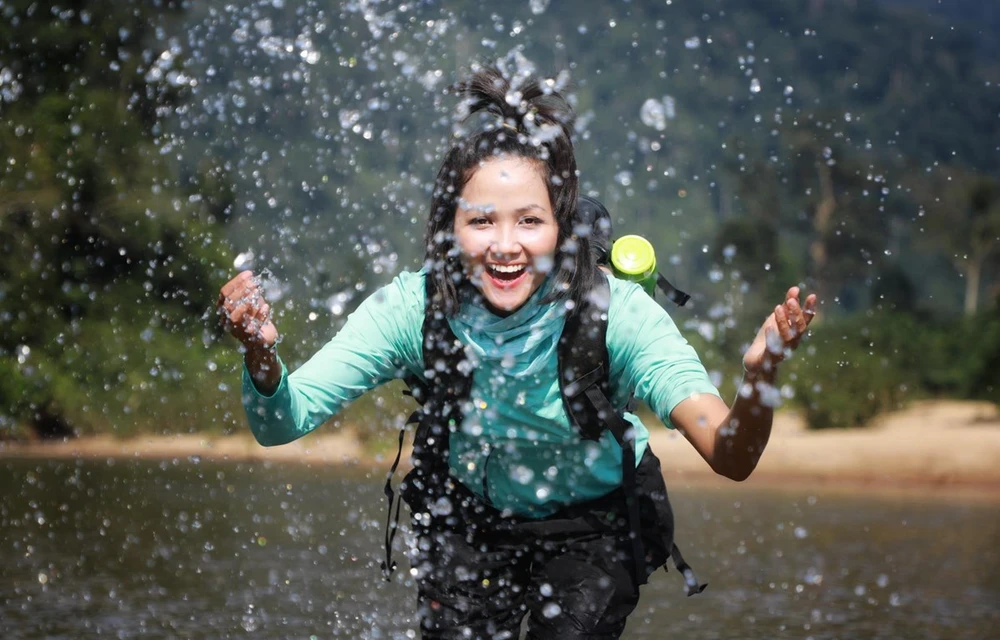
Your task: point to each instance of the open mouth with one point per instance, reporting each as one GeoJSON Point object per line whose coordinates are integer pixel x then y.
{"type": "Point", "coordinates": [506, 275]}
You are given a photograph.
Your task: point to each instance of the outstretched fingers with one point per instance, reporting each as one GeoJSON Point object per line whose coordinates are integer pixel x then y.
{"type": "Point", "coordinates": [782, 331]}
{"type": "Point", "coordinates": [795, 317]}
{"type": "Point", "coordinates": [783, 322]}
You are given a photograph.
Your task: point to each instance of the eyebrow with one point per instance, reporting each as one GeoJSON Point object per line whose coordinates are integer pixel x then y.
{"type": "Point", "coordinates": [490, 208]}
{"type": "Point", "coordinates": [529, 207]}
{"type": "Point", "coordinates": [465, 205]}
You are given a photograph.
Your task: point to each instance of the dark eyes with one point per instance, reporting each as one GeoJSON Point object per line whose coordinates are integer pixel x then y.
{"type": "Point", "coordinates": [483, 221]}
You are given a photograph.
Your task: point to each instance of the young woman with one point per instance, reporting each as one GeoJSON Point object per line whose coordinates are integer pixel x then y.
{"type": "Point", "coordinates": [514, 512]}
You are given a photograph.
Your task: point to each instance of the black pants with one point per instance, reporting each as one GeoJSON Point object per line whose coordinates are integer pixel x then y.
{"type": "Point", "coordinates": [572, 574]}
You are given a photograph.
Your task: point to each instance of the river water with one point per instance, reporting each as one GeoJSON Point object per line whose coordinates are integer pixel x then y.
{"type": "Point", "coordinates": [190, 549]}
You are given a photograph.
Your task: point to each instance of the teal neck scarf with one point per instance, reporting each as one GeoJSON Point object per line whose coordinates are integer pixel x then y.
{"type": "Point", "coordinates": [520, 341]}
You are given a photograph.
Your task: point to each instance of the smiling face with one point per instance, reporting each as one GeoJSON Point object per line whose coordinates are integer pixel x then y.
{"type": "Point", "coordinates": [506, 231]}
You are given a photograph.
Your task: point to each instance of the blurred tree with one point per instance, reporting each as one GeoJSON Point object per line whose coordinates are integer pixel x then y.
{"type": "Point", "coordinates": [962, 220]}
{"type": "Point", "coordinates": [893, 290]}
{"type": "Point", "coordinates": [984, 222]}
{"type": "Point", "coordinates": [814, 192]}
{"type": "Point", "coordinates": [108, 260]}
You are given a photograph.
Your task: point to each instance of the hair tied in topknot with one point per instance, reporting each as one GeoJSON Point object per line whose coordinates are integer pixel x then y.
{"type": "Point", "coordinates": [532, 107]}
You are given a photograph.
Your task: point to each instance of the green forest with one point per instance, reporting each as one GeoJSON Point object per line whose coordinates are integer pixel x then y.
{"type": "Point", "coordinates": [150, 150]}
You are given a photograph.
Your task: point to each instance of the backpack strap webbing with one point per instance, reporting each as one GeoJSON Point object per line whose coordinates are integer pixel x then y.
{"type": "Point", "coordinates": [392, 523]}
{"type": "Point", "coordinates": [618, 425]}
{"type": "Point", "coordinates": [583, 379]}
{"type": "Point", "coordinates": [673, 294]}
{"type": "Point", "coordinates": [449, 383]}
{"type": "Point", "coordinates": [584, 372]}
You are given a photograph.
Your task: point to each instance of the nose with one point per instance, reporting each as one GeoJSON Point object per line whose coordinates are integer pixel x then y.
{"type": "Point", "coordinates": [505, 243]}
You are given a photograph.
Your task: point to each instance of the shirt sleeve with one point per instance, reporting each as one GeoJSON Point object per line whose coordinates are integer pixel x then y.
{"type": "Point", "coordinates": [649, 355]}
{"type": "Point", "coordinates": [379, 342]}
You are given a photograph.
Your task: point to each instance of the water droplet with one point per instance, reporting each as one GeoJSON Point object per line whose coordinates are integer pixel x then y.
{"type": "Point", "coordinates": [653, 114]}
{"type": "Point", "coordinates": [624, 178]}
{"type": "Point", "coordinates": [250, 623]}
{"type": "Point", "coordinates": [551, 610]}
{"type": "Point", "coordinates": [538, 7]}
{"type": "Point", "coordinates": [442, 507]}
{"type": "Point", "coordinates": [522, 474]}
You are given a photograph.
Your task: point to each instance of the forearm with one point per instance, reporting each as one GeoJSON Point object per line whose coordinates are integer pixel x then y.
{"type": "Point", "coordinates": [741, 438]}
{"type": "Point", "coordinates": [281, 408]}
{"type": "Point", "coordinates": [273, 413]}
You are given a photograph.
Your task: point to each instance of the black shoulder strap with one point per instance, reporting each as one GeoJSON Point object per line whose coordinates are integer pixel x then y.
{"type": "Point", "coordinates": [446, 368]}
{"type": "Point", "coordinates": [583, 359]}
{"type": "Point", "coordinates": [449, 383]}
{"type": "Point", "coordinates": [448, 375]}
{"type": "Point", "coordinates": [584, 369]}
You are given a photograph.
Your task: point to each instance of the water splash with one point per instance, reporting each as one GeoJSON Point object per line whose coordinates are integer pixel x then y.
{"type": "Point", "coordinates": [655, 113]}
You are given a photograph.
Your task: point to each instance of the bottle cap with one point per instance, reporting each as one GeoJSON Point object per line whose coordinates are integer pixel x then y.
{"type": "Point", "coordinates": [633, 256]}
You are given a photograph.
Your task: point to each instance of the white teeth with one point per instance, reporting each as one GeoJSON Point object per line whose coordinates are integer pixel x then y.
{"type": "Point", "coordinates": [504, 268]}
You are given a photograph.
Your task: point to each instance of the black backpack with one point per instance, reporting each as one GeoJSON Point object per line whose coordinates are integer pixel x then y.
{"type": "Point", "coordinates": [583, 380]}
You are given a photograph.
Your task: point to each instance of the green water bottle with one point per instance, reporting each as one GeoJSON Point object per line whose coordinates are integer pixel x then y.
{"type": "Point", "coordinates": [633, 258]}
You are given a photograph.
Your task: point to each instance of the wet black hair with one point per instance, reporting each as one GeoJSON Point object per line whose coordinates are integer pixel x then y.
{"type": "Point", "coordinates": [594, 216]}
{"type": "Point", "coordinates": [529, 120]}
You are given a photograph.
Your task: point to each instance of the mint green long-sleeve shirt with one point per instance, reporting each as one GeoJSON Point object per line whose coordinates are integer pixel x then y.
{"type": "Point", "coordinates": [516, 445]}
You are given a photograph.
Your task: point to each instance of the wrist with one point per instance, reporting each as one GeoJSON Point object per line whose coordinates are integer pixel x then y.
{"type": "Point", "coordinates": [257, 349]}
{"type": "Point", "coordinates": [767, 372]}
{"type": "Point", "coordinates": [260, 358]}
{"type": "Point", "coordinates": [264, 367]}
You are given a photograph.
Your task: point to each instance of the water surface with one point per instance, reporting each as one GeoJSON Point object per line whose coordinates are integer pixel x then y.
{"type": "Point", "coordinates": [190, 549]}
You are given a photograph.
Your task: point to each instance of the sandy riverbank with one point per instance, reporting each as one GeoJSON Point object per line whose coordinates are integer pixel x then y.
{"type": "Point", "coordinates": [933, 444]}
{"type": "Point", "coordinates": [930, 445]}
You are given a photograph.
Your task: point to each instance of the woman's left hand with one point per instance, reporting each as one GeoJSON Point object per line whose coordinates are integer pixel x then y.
{"type": "Point", "coordinates": [780, 333]}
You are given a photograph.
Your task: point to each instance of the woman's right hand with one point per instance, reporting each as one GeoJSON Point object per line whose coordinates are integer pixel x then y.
{"type": "Point", "coordinates": [245, 313]}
